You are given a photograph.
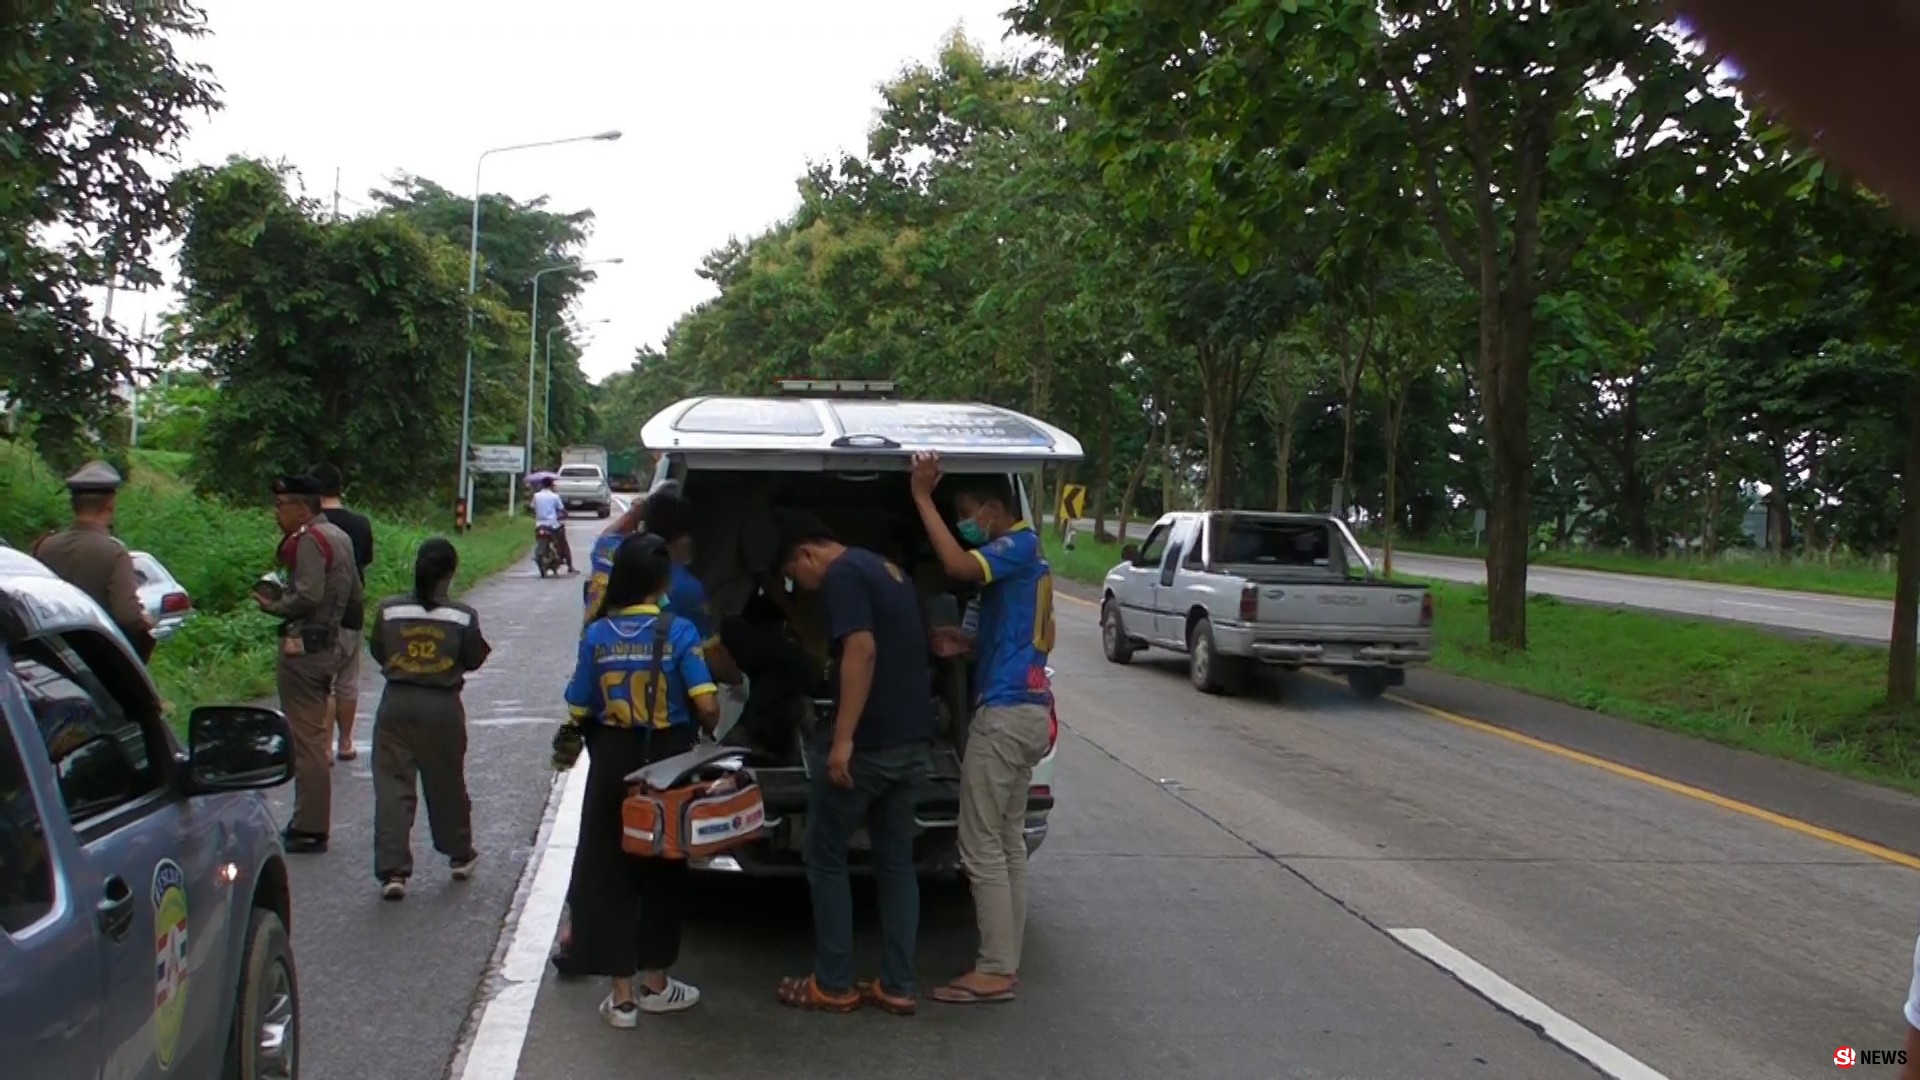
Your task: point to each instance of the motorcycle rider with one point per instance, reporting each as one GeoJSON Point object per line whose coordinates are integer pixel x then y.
{"type": "Point", "coordinates": [548, 513]}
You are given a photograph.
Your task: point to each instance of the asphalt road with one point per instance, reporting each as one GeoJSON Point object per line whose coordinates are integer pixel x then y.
{"type": "Point", "coordinates": [1840, 617]}
{"type": "Point", "coordinates": [387, 988]}
{"type": "Point", "coordinates": [1272, 887]}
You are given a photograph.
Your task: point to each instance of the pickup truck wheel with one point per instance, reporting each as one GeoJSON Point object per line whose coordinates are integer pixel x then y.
{"type": "Point", "coordinates": [605, 511]}
{"type": "Point", "coordinates": [1211, 673]}
{"type": "Point", "coordinates": [265, 1044]}
{"type": "Point", "coordinates": [1113, 633]}
{"type": "Point", "coordinates": [1367, 684]}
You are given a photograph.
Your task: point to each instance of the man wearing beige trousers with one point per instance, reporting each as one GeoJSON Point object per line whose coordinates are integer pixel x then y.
{"type": "Point", "coordinates": [1012, 700]}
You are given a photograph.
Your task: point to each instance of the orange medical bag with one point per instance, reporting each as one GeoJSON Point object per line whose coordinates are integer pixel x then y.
{"type": "Point", "coordinates": [693, 805]}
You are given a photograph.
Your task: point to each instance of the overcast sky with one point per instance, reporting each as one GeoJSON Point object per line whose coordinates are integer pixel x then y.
{"type": "Point", "coordinates": [722, 103]}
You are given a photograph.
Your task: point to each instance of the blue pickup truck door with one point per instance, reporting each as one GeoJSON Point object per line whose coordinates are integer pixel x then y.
{"type": "Point", "coordinates": [166, 970]}
{"type": "Point", "coordinates": [49, 953]}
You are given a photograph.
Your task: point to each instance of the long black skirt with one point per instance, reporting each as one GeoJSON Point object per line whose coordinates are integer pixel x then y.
{"type": "Point", "coordinates": [627, 911]}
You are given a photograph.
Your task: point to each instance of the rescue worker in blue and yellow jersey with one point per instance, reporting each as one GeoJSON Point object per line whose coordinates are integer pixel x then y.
{"type": "Point", "coordinates": [640, 693]}
{"type": "Point", "coordinates": [600, 556]}
{"type": "Point", "coordinates": [426, 645]}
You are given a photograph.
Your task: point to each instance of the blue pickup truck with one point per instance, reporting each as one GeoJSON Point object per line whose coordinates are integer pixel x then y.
{"type": "Point", "coordinates": [144, 907]}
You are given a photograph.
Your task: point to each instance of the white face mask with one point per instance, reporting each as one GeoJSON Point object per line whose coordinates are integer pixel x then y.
{"type": "Point", "coordinates": [789, 582]}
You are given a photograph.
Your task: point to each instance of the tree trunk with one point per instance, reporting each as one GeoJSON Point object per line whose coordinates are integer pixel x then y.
{"type": "Point", "coordinates": [1103, 472]}
{"type": "Point", "coordinates": [1710, 531]}
{"type": "Point", "coordinates": [1349, 395]}
{"type": "Point", "coordinates": [1505, 332]}
{"type": "Point", "coordinates": [1283, 464]}
{"type": "Point", "coordinates": [1779, 517]}
{"type": "Point", "coordinates": [1169, 464]}
{"type": "Point", "coordinates": [1396, 411]}
{"type": "Point", "coordinates": [1905, 637]}
{"type": "Point", "coordinates": [1133, 481]}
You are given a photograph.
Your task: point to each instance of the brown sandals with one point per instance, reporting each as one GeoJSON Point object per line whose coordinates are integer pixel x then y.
{"type": "Point", "coordinates": [803, 992]}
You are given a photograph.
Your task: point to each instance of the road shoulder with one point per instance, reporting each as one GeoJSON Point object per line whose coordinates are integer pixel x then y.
{"type": "Point", "coordinates": [1877, 815]}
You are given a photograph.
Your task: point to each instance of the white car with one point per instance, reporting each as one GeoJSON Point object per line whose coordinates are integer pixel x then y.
{"type": "Point", "coordinates": [584, 487]}
{"type": "Point", "coordinates": [843, 451]}
{"type": "Point", "coordinates": [166, 600]}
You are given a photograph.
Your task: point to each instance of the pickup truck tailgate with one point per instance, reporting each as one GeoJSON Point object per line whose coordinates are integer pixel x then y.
{"type": "Point", "coordinates": [1337, 608]}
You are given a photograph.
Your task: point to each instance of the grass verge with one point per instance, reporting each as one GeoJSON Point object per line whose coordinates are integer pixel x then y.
{"type": "Point", "coordinates": [1846, 576]}
{"type": "Point", "coordinates": [1814, 702]}
{"type": "Point", "coordinates": [225, 653]}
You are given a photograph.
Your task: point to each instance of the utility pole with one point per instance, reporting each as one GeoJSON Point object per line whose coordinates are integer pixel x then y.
{"type": "Point", "coordinates": [336, 194]}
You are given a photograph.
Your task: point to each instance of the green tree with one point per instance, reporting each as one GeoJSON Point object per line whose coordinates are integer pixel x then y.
{"type": "Point", "coordinates": [333, 342]}
{"type": "Point", "coordinates": [1523, 149]}
{"type": "Point", "coordinates": [91, 94]}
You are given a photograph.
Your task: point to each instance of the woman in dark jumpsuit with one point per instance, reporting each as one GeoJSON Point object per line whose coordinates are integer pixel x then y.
{"type": "Point", "coordinates": [628, 712]}
{"type": "Point", "coordinates": [425, 645]}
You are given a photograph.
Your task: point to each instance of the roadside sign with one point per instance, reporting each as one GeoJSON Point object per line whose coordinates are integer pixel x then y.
{"type": "Point", "coordinates": [1073, 502]}
{"type": "Point", "coordinates": [498, 459]}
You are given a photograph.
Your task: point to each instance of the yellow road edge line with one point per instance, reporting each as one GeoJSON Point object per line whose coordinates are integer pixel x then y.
{"type": "Point", "coordinates": [1804, 828]}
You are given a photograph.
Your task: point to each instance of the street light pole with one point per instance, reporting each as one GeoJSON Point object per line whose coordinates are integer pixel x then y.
{"type": "Point", "coordinates": [533, 325]}
{"type": "Point", "coordinates": [546, 429]}
{"type": "Point", "coordinates": [473, 287]}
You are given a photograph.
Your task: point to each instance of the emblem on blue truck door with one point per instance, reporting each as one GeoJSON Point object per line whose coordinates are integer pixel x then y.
{"type": "Point", "coordinates": [169, 897]}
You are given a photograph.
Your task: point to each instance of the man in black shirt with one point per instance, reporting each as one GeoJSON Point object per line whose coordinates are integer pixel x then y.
{"type": "Point", "coordinates": [876, 753]}
{"type": "Point", "coordinates": [345, 699]}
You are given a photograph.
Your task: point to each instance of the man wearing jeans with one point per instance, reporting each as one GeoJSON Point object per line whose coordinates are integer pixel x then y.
{"type": "Point", "coordinates": [875, 754]}
{"type": "Point", "coordinates": [1012, 700]}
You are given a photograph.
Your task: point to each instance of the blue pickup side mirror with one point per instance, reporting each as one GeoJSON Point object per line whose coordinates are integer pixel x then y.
{"type": "Point", "coordinates": [238, 748]}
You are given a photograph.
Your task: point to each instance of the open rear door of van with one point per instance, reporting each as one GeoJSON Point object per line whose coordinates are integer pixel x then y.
{"type": "Point", "coordinates": [822, 434]}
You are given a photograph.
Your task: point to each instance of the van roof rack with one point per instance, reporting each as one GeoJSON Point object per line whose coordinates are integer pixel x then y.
{"type": "Point", "coordinates": [878, 389]}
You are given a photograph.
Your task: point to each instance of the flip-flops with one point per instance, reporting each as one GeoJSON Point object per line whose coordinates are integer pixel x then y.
{"type": "Point", "coordinates": [955, 993]}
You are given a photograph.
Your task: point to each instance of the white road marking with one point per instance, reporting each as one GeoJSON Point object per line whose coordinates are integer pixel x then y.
{"type": "Point", "coordinates": [1596, 1051]}
{"type": "Point", "coordinates": [492, 1049]}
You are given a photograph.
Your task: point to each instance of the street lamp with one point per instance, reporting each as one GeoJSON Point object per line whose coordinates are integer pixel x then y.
{"type": "Point", "coordinates": [533, 335]}
{"type": "Point", "coordinates": [546, 427]}
{"type": "Point", "coordinates": [473, 286]}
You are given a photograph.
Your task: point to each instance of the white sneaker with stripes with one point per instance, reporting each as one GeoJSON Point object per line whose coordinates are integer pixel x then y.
{"type": "Point", "coordinates": [676, 996]}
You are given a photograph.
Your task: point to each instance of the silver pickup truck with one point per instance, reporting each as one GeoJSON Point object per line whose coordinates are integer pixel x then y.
{"type": "Point", "coordinates": [1233, 589]}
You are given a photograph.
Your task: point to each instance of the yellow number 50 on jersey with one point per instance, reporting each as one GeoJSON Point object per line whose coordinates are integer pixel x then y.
{"type": "Point", "coordinates": [1043, 613]}
{"type": "Point", "coordinates": [624, 692]}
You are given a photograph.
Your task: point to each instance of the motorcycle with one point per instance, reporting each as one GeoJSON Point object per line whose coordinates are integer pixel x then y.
{"type": "Point", "coordinates": [546, 553]}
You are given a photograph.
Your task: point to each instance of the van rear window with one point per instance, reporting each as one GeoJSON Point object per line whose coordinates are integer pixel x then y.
{"type": "Point", "coordinates": [938, 425]}
{"type": "Point", "coordinates": [581, 470]}
{"type": "Point", "coordinates": [750, 416]}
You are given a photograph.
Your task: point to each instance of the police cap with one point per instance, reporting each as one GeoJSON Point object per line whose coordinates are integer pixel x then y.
{"type": "Point", "coordinates": [296, 484]}
{"type": "Point", "coordinates": [94, 478]}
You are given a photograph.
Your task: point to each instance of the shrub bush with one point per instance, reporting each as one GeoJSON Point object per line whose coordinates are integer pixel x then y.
{"type": "Point", "coordinates": [217, 551]}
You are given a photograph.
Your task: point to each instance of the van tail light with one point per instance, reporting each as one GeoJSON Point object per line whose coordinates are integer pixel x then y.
{"type": "Point", "coordinates": [1040, 791]}
{"type": "Point", "coordinates": [1249, 603]}
{"type": "Point", "coordinates": [1053, 728]}
{"type": "Point", "coordinates": [1426, 609]}
{"type": "Point", "coordinates": [175, 602]}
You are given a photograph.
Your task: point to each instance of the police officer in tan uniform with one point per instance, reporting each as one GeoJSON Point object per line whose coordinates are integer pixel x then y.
{"type": "Point", "coordinates": [322, 584]}
{"type": "Point", "coordinates": [87, 555]}
{"type": "Point", "coordinates": [425, 645]}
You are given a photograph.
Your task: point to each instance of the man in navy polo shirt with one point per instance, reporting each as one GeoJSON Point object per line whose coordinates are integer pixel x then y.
{"type": "Point", "coordinates": [876, 751]}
